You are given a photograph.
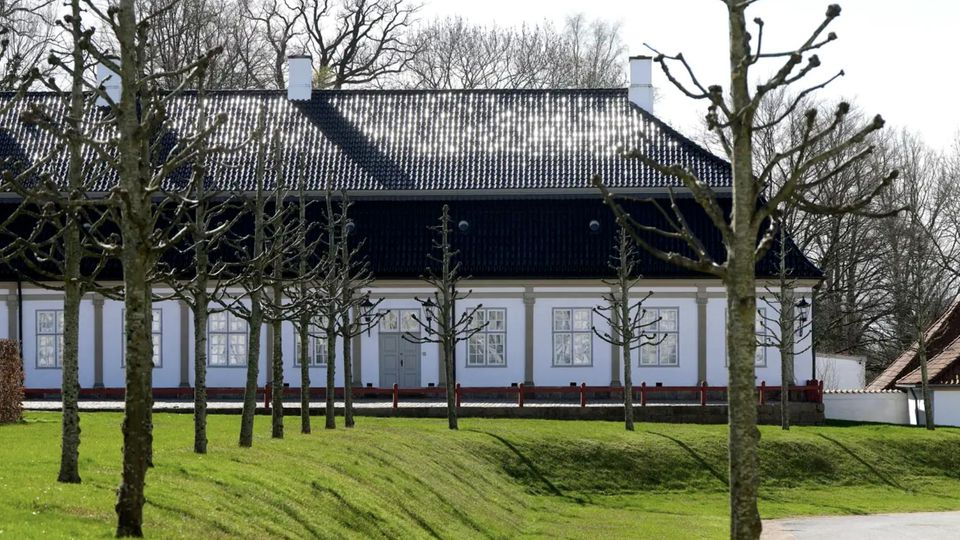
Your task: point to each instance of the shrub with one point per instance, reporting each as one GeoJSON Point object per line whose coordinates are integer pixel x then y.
{"type": "Point", "coordinates": [11, 382]}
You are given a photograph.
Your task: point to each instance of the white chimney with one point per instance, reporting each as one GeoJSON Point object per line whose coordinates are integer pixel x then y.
{"type": "Point", "coordinates": [641, 82]}
{"type": "Point", "coordinates": [299, 78]}
{"type": "Point", "coordinates": [111, 84]}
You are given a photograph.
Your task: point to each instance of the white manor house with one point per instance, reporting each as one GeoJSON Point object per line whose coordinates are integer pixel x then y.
{"type": "Point", "coordinates": [515, 167]}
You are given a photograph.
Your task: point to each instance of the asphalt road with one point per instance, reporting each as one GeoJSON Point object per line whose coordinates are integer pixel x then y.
{"type": "Point", "coordinates": [915, 526]}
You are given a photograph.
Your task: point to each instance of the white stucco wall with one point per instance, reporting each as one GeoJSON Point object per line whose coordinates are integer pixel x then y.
{"type": "Point", "coordinates": [841, 372]}
{"type": "Point", "coordinates": [684, 298]}
{"type": "Point", "coordinates": [769, 372]}
{"type": "Point", "coordinates": [889, 407]}
{"type": "Point", "coordinates": [946, 406]}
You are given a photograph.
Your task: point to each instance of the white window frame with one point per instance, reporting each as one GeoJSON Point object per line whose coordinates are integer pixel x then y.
{"type": "Point", "coordinates": [573, 333]}
{"type": "Point", "coordinates": [660, 334]}
{"type": "Point", "coordinates": [245, 333]}
{"type": "Point", "coordinates": [480, 341]}
{"type": "Point", "coordinates": [57, 334]}
{"type": "Point", "coordinates": [156, 335]}
{"type": "Point", "coordinates": [316, 347]}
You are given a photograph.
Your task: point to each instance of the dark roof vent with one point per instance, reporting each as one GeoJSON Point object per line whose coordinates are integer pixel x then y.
{"type": "Point", "coordinates": [464, 226]}
{"type": "Point", "coordinates": [594, 226]}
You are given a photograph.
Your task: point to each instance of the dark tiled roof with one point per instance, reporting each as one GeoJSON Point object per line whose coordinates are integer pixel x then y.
{"type": "Point", "coordinates": [520, 238]}
{"type": "Point", "coordinates": [427, 140]}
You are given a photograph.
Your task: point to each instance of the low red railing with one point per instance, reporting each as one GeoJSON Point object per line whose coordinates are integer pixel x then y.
{"type": "Point", "coordinates": [812, 391]}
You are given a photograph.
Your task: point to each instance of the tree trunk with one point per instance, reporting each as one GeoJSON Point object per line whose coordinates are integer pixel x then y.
{"type": "Point", "coordinates": [787, 343]}
{"type": "Point", "coordinates": [347, 371]}
{"type": "Point", "coordinates": [136, 231]}
{"type": "Point", "coordinates": [200, 371]}
{"type": "Point", "coordinates": [72, 248]}
{"type": "Point", "coordinates": [277, 402]}
{"type": "Point", "coordinates": [304, 332]}
{"type": "Point", "coordinates": [925, 380]}
{"type": "Point", "coordinates": [331, 420]}
{"type": "Point", "coordinates": [627, 339]}
{"type": "Point", "coordinates": [253, 371]}
{"type": "Point", "coordinates": [70, 444]}
{"type": "Point", "coordinates": [740, 282]}
{"type": "Point", "coordinates": [446, 351]}
{"type": "Point", "coordinates": [277, 383]}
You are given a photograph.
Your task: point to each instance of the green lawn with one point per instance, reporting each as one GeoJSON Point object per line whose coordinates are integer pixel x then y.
{"type": "Point", "coordinates": [407, 478]}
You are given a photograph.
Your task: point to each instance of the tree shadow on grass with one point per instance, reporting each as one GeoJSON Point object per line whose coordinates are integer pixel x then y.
{"type": "Point", "coordinates": [693, 453]}
{"type": "Point", "coordinates": [883, 477]}
{"type": "Point", "coordinates": [553, 489]}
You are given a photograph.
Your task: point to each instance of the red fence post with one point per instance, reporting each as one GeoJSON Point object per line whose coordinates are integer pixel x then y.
{"type": "Point", "coordinates": [458, 395]}
{"type": "Point", "coordinates": [643, 394]}
{"type": "Point", "coordinates": [703, 392]}
{"type": "Point", "coordinates": [520, 395]}
{"type": "Point", "coordinates": [267, 394]}
{"type": "Point", "coordinates": [396, 396]}
{"type": "Point", "coordinates": [820, 392]}
{"type": "Point", "coordinates": [583, 394]}
{"type": "Point", "coordinates": [763, 394]}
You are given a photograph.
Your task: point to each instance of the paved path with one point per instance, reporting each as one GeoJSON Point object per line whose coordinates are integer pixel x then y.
{"type": "Point", "coordinates": [915, 526]}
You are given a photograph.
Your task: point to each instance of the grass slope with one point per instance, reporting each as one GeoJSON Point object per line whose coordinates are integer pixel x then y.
{"type": "Point", "coordinates": [407, 478]}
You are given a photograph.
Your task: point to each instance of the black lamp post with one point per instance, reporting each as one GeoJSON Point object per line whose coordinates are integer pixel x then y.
{"type": "Point", "coordinates": [802, 306]}
{"type": "Point", "coordinates": [429, 306]}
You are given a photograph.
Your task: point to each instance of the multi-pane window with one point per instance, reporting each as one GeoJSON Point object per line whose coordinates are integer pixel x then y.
{"type": "Point", "coordinates": [764, 337]}
{"type": "Point", "coordinates": [316, 347]}
{"type": "Point", "coordinates": [661, 337]}
{"type": "Point", "coordinates": [156, 334]}
{"type": "Point", "coordinates": [400, 320]}
{"type": "Point", "coordinates": [50, 338]}
{"type": "Point", "coordinates": [488, 346]}
{"type": "Point", "coordinates": [227, 339]}
{"type": "Point", "coordinates": [572, 336]}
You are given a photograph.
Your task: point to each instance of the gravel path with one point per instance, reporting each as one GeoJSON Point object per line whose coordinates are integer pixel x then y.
{"type": "Point", "coordinates": [915, 526]}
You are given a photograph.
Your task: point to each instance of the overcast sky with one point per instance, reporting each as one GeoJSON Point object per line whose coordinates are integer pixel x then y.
{"type": "Point", "coordinates": [901, 58]}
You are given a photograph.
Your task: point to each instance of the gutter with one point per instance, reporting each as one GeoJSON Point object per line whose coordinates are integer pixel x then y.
{"type": "Point", "coordinates": [20, 312]}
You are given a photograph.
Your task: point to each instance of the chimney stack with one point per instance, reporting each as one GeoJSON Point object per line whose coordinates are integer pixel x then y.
{"type": "Point", "coordinates": [299, 77]}
{"type": "Point", "coordinates": [641, 79]}
{"type": "Point", "coordinates": [111, 84]}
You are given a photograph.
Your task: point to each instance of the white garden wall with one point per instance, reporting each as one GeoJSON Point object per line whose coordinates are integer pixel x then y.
{"type": "Point", "coordinates": [888, 407]}
{"type": "Point", "coordinates": [946, 406]}
{"type": "Point", "coordinates": [841, 372]}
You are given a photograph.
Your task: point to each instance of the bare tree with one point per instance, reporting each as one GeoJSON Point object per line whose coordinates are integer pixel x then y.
{"type": "Point", "coordinates": [749, 228]}
{"type": "Point", "coordinates": [182, 31]}
{"type": "Point", "coordinates": [440, 323]}
{"type": "Point", "coordinates": [258, 258]}
{"type": "Point", "coordinates": [781, 323]}
{"type": "Point", "coordinates": [138, 119]}
{"type": "Point", "coordinates": [453, 53]}
{"type": "Point", "coordinates": [358, 314]}
{"type": "Point", "coordinates": [631, 326]}
{"type": "Point", "coordinates": [27, 35]}
{"type": "Point", "coordinates": [923, 247]}
{"type": "Point", "coordinates": [357, 41]}
{"type": "Point", "coordinates": [211, 214]}
{"type": "Point", "coordinates": [276, 28]}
